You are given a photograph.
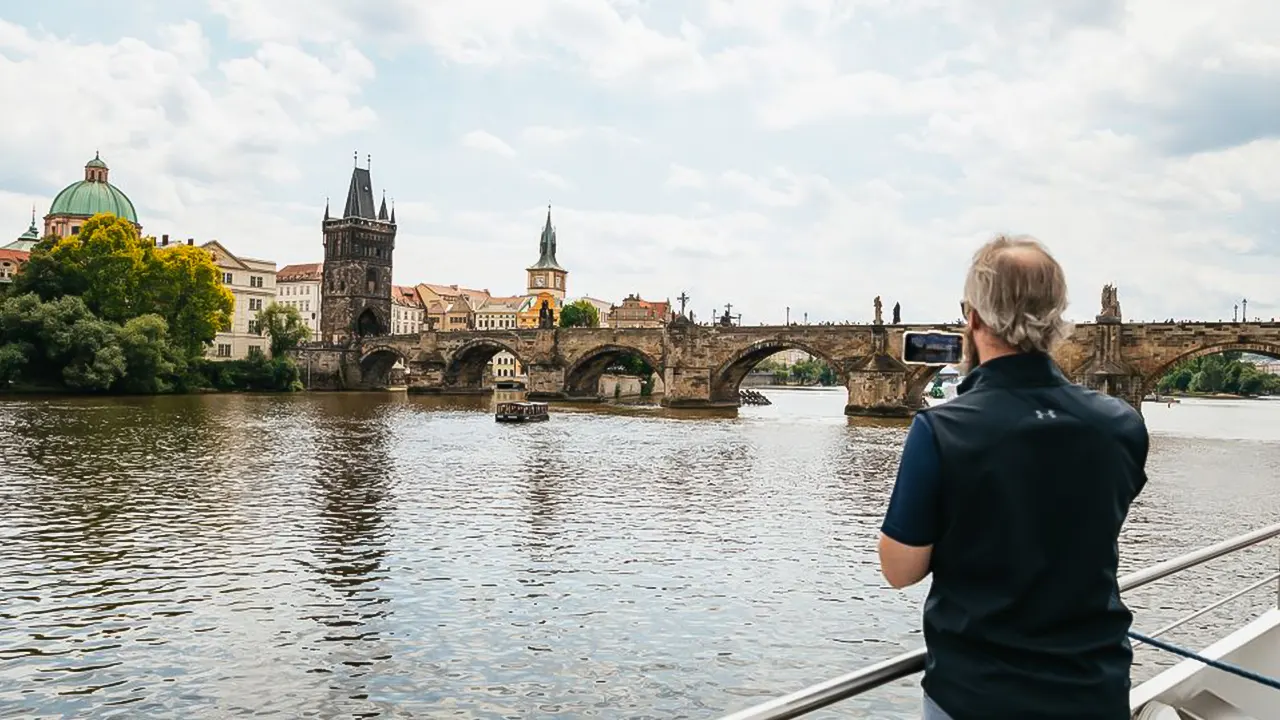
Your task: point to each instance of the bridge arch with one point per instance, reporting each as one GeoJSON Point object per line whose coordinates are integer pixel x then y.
{"type": "Point", "coordinates": [726, 380]}
{"type": "Point", "coordinates": [582, 377]}
{"type": "Point", "coordinates": [465, 368]}
{"type": "Point", "coordinates": [376, 363]}
{"type": "Point", "coordinates": [1271, 350]}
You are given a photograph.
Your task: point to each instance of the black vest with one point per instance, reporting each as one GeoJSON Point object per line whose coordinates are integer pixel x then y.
{"type": "Point", "coordinates": [1024, 618]}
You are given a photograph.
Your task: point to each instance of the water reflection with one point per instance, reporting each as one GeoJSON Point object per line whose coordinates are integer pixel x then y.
{"type": "Point", "coordinates": [381, 555]}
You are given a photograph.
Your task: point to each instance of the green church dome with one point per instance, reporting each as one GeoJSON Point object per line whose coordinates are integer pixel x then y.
{"type": "Point", "coordinates": [94, 195]}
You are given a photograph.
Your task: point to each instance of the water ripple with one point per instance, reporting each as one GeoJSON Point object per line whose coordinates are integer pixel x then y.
{"type": "Point", "coordinates": [388, 557]}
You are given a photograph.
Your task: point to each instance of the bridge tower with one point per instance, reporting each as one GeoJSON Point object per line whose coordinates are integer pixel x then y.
{"type": "Point", "coordinates": [546, 275]}
{"type": "Point", "coordinates": [355, 291]}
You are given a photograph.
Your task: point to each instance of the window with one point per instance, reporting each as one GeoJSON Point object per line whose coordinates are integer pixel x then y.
{"type": "Point", "coordinates": [75, 230]}
{"type": "Point", "coordinates": [224, 350]}
{"type": "Point", "coordinates": [226, 278]}
{"type": "Point", "coordinates": [255, 303]}
{"type": "Point", "coordinates": [253, 328]}
{"type": "Point", "coordinates": [371, 280]}
{"type": "Point", "coordinates": [255, 281]}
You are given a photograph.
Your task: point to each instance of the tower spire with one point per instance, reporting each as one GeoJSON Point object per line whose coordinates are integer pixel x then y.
{"type": "Point", "coordinates": [393, 211]}
{"type": "Point", "coordinates": [326, 207]}
{"type": "Point", "coordinates": [382, 212]}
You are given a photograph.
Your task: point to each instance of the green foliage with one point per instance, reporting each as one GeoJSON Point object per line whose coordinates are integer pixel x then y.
{"type": "Point", "coordinates": [285, 326]}
{"type": "Point", "coordinates": [812, 372]}
{"type": "Point", "coordinates": [60, 345]}
{"type": "Point", "coordinates": [256, 373]}
{"type": "Point", "coordinates": [120, 276]}
{"type": "Point", "coordinates": [579, 313]}
{"type": "Point", "coordinates": [1221, 373]}
{"type": "Point", "coordinates": [630, 365]}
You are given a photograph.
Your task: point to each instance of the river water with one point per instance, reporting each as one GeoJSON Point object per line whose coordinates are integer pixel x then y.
{"type": "Point", "coordinates": [377, 555]}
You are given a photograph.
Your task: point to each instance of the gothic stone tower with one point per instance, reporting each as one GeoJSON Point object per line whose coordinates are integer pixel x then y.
{"type": "Point", "coordinates": [546, 275]}
{"type": "Point", "coordinates": [356, 287]}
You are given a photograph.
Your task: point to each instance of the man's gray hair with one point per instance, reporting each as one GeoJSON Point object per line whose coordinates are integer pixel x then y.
{"type": "Point", "coordinates": [1020, 292]}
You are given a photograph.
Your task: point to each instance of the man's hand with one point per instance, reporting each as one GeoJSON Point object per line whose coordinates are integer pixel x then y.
{"type": "Point", "coordinates": [903, 565]}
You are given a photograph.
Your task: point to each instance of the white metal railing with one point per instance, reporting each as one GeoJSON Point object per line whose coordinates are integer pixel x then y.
{"type": "Point", "coordinates": [816, 697]}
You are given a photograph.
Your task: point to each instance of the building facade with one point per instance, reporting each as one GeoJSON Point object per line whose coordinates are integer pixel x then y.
{"type": "Point", "coordinates": [253, 283]}
{"type": "Point", "coordinates": [449, 307]}
{"type": "Point", "coordinates": [355, 299]}
{"type": "Point", "coordinates": [407, 312]}
{"type": "Point", "coordinates": [298, 286]}
{"type": "Point", "coordinates": [501, 313]}
{"type": "Point", "coordinates": [82, 200]}
{"type": "Point", "coordinates": [637, 313]}
{"type": "Point", "coordinates": [603, 309]}
{"type": "Point", "coordinates": [11, 261]}
{"type": "Point", "coordinates": [530, 314]}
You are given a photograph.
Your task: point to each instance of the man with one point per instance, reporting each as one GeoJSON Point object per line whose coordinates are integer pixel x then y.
{"type": "Point", "coordinates": [1012, 495]}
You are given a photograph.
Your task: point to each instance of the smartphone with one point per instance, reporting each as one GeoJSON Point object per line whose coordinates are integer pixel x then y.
{"type": "Point", "coordinates": [932, 348]}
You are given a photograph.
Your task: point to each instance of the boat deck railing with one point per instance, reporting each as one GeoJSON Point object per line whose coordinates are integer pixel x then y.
{"type": "Point", "coordinates": [824, 694]}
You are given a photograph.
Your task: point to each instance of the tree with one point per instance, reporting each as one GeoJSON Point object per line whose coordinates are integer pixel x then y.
{"type": "Point", "coordinates": [285, 326]}
{"type": "Point", "coordinates": [631, 365]}
{"type": "Point", "coordinates": [185, 288]}
{"type": "Point", "coordinates": [121, 276]}
{"type": "Point", "coordinates": [579, 313]}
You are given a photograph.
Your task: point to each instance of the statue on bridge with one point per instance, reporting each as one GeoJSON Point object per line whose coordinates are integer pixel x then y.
{"type": "Point", "coordinates": [546, 316]}
{"type": "Point", "coordinates": [879, 311]}
{"type": "Point", "coordinates": [1110, 304]}
{"type": "Point", "coordinates": [897, 313]}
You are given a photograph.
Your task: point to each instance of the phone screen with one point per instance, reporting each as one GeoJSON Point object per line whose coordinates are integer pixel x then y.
{"type": "Point", "coordinates": [932, 348]}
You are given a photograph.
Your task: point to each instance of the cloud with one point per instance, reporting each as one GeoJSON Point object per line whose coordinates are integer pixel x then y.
{"type": "Point", "coordinates": [767, 153]}
{"type": "Point", "coordinates": [486, 142]}
{"type": "Point", "coordinates": [550, 178]}
{"type": "Point", "coordinates": [685, 177]}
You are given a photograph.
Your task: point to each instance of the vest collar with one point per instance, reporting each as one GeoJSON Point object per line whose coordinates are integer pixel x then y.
{"type": "Point", "coordinates": [1031, 369]}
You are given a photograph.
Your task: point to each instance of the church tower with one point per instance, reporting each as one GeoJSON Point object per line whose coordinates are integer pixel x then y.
{"type": "Point", "coordinates": [355, 289]}
{"type": "Point", "coordinates": [546, 275]}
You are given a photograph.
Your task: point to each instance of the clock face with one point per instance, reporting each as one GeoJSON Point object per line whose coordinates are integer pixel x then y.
{"type": "Point", "coordinates": [539, 281]}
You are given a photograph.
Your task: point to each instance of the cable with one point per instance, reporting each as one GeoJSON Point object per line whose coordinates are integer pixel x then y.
{"type": "Point", "coordinates": [1270, 682]}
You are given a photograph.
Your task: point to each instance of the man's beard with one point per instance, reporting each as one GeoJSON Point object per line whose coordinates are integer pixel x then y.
{"type": "Point", "coordinates": [971, 359]}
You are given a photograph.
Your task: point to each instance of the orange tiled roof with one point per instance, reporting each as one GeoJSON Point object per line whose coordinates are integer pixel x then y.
{"type": "Point", "coordinates": [17, 256]}
{"type": "Point", "coordinates": [299, 273]}
{"type": "Point", "coordinates": [405, 295]}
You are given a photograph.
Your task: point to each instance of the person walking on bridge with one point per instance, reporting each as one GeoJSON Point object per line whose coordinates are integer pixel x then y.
{"type": "Point", "coordinates": [1013, 495]}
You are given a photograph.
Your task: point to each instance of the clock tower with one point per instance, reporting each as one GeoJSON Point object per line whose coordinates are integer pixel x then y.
{"type": "Point", "coordinates": [546, 275]}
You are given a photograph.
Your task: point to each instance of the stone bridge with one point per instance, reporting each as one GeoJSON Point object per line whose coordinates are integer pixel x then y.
{"type": "Point", "coordinates": [702, 366]}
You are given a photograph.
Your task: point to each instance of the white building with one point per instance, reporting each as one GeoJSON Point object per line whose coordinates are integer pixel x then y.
{"type": "Point", "coordinates": [253, 283]}
{"type": "Point", "coordinates": [298, 286]}
{"type": "Point", "coordinates": [500, 313]}
{"type": "Point", "coordinates": [602, 309]}
{"type": "Point", "coordinates": [408, 313]}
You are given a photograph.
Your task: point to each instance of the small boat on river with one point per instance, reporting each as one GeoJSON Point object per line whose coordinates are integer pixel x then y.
{"type": "Point", "coordinates": [521, 412]}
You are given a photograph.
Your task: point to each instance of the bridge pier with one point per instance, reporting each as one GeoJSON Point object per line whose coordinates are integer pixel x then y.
{"type": "Point", "coordinates": [691, 388]}
{"type": "Point", "coordinates": [878, 388]}
{"type": "Point", "coordinates": [545, 382]}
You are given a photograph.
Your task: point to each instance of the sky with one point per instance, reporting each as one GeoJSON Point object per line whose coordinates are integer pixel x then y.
{"type": "Point", "coordinates": [809, 154]}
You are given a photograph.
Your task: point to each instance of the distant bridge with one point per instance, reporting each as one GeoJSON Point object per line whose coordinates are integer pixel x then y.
{"type": "Point", "coordinates": [703, 366]}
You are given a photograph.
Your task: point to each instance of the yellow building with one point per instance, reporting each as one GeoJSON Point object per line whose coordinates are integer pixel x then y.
{"type": "Point", "coordinates": [531, 309]}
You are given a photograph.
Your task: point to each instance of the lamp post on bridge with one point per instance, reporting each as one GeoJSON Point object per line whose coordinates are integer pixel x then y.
{"type": "Point", "coordinates": [1234, 310]}
{"type": "Point", "coordinates": [1244, 310]}
{"type": "Point", "coordinates": [788, 316]}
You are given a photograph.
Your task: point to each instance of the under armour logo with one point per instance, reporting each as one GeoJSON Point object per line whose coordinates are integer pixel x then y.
{"type": "Point", "coordinates": [1042, 414]}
